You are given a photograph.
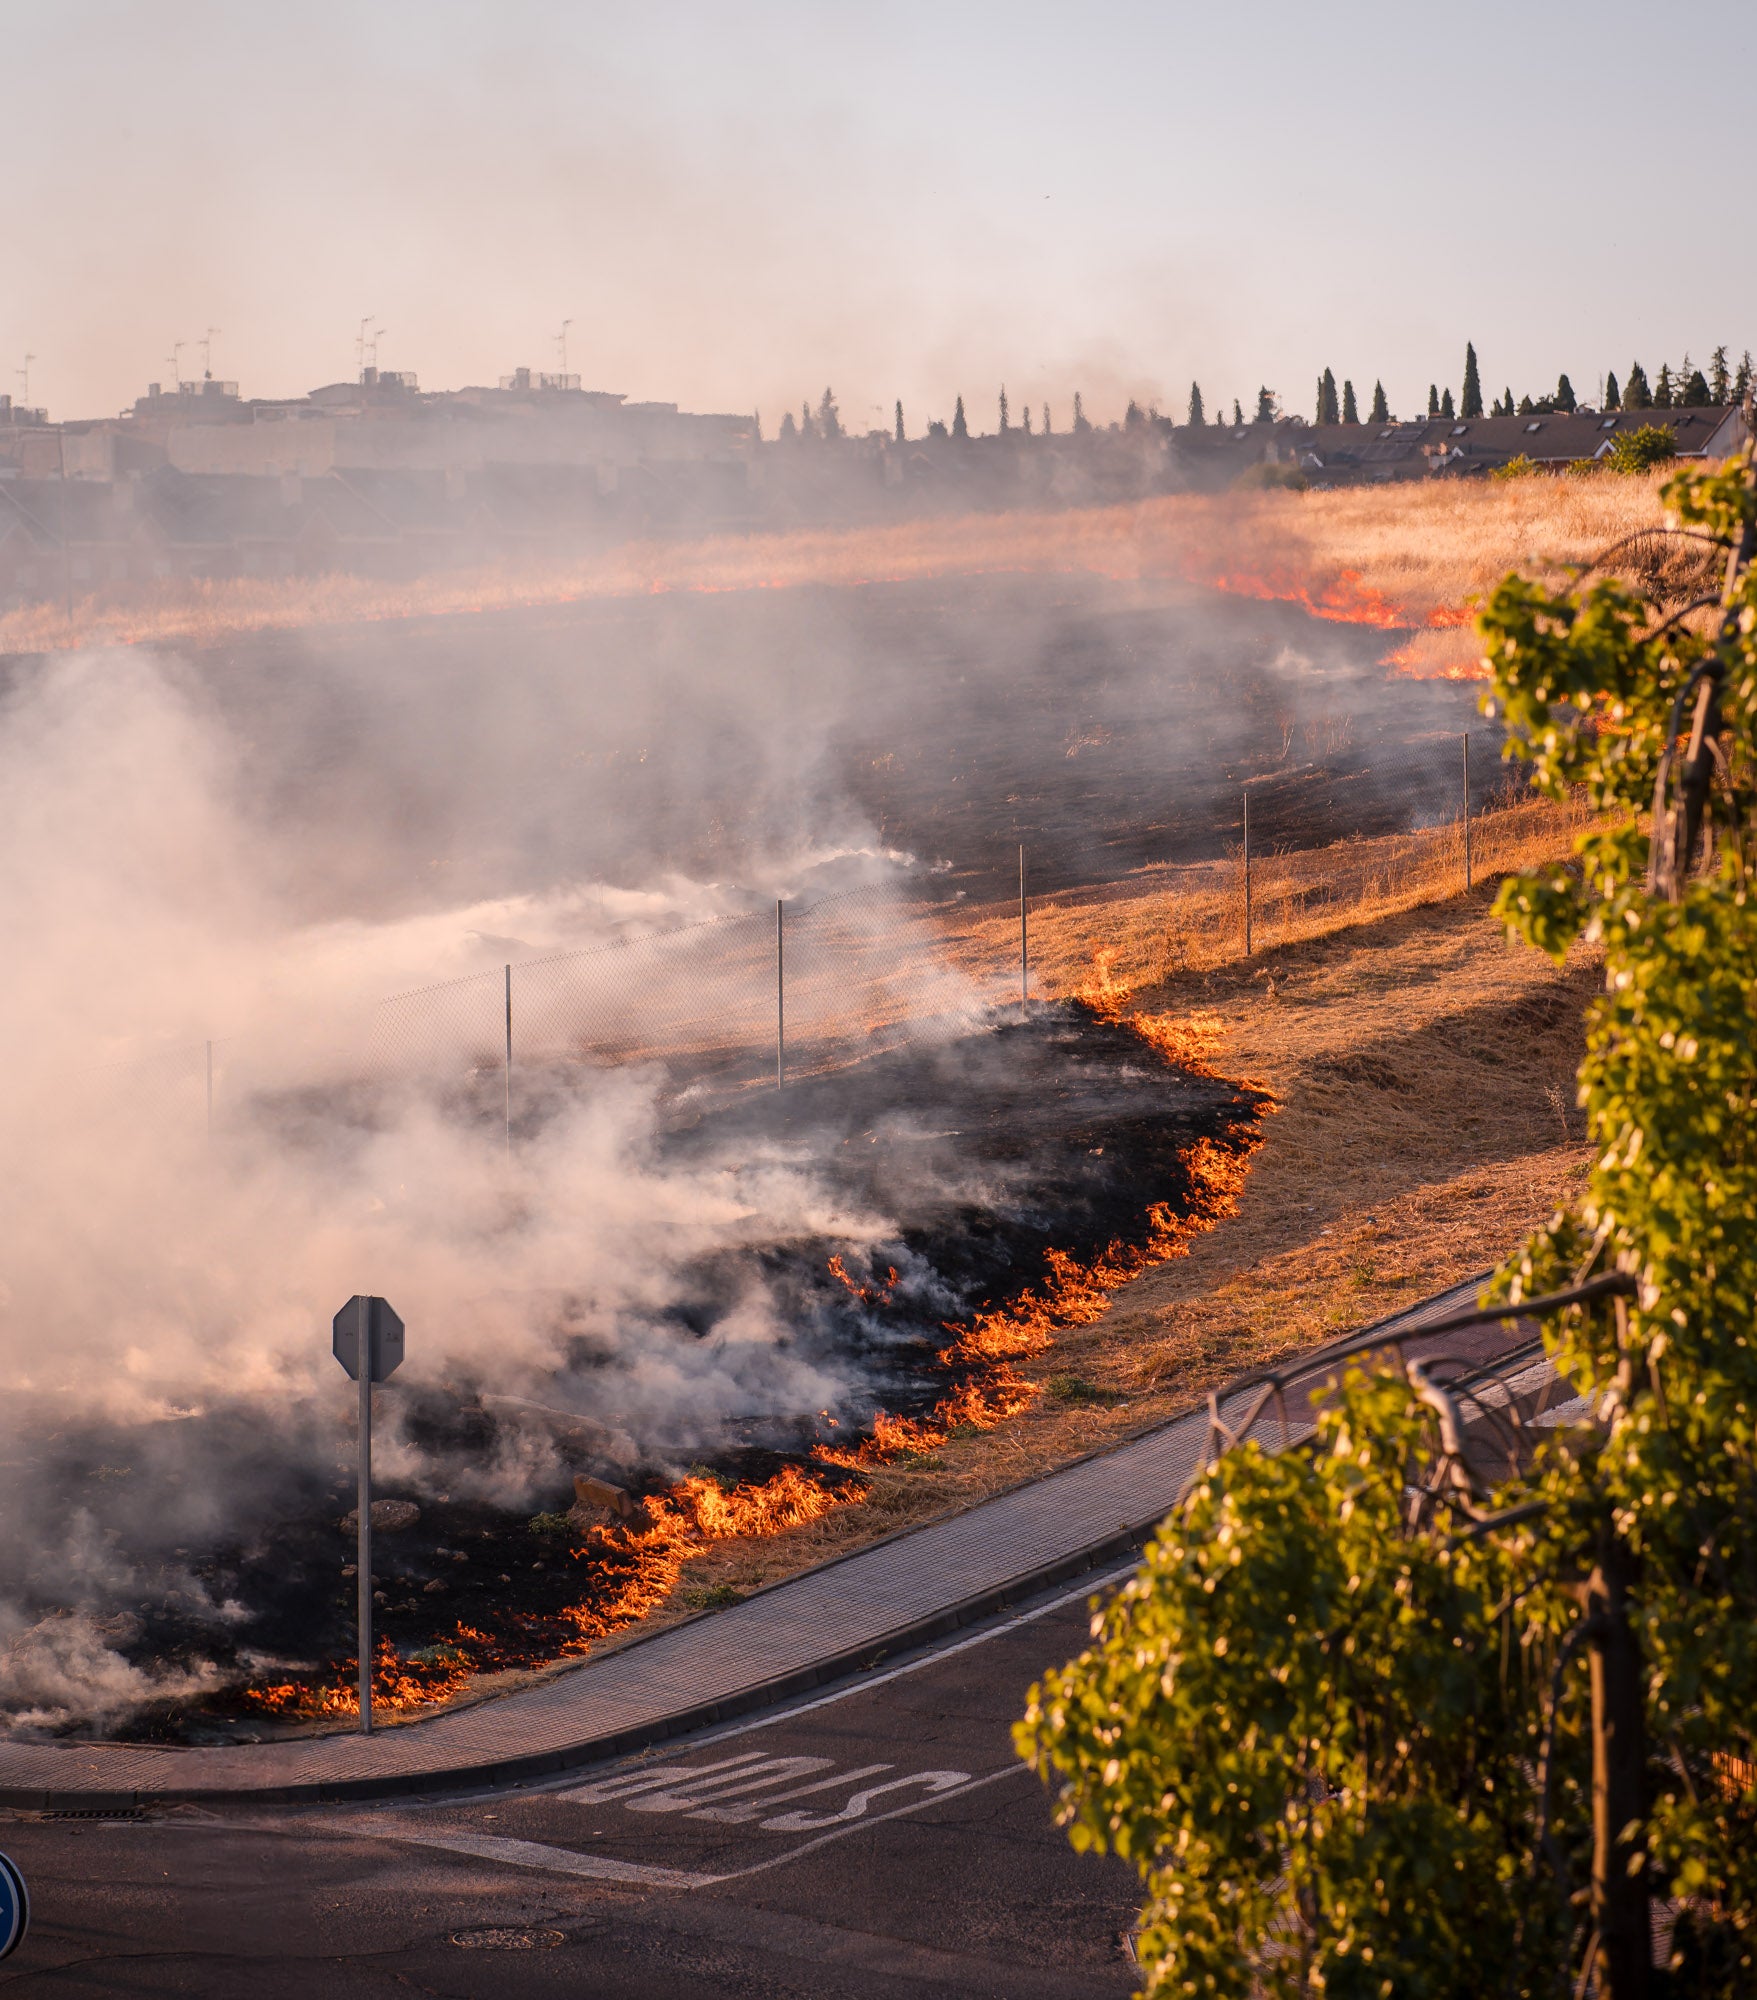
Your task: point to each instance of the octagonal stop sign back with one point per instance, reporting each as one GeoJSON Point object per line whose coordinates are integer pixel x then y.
{"type": "Point", "coordinates": [384, 1335]}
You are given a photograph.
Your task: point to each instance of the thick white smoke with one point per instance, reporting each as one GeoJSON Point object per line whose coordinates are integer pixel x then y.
{"type": "Point", "coordinates": [148, 1265]}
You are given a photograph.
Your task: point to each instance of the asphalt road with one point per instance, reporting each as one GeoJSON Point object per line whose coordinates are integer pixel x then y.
{"type": "Point", "coordinates": [879, 1840]}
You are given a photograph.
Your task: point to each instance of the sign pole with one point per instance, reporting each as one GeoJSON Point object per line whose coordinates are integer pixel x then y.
{"type": "Point", "coordinates": [367, 1339]}
{"type": "Point", "coordinates": [363, 1307]}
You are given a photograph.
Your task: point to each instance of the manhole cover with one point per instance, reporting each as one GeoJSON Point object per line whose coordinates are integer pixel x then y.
{"type": "Point", "coordinates": [495, 1939]}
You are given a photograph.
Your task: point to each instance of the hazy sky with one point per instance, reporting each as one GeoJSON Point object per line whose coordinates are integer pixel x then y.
{"type": "Point", "coordinates": [737, 204]}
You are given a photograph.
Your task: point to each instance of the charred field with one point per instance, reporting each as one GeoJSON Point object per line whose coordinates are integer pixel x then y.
{"type": "Point", "coordinates": [1104, 725]}
{"type": "Point", "coordinates": [999, 1163]}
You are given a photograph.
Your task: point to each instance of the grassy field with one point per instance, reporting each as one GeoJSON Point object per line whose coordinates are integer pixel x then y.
{"type": "Point", "coordinates": [1405, 555]}
{"type": "Point", "coordinates": [1160, 923]}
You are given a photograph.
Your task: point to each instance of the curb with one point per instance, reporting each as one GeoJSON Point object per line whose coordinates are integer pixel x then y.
{"type": "Point", "coordinates": [602, 1749]}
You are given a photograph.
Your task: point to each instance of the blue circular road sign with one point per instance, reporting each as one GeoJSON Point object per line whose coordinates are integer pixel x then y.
{"type": "Point", "coordinates": [15, 1907]}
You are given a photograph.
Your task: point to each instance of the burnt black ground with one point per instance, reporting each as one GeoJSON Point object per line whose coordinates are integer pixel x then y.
{"type": "Point", "coordinates": [984, 1153]}
{"type": "Point", "coordinates": [977, 1894]}
{"type": "Point", "coordinates": [427, 762]}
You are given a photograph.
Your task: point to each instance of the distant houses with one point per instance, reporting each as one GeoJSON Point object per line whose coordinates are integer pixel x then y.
{"type": "Point", "coordinates": [1357, 453]}
{"type": "Point", "coordinates": [376, 477]}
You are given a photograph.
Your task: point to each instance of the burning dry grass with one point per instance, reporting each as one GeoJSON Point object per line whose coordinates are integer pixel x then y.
{"type": "Point", "coordinates": [1359, 1022]}
{"type": "Point", "coordinates": [634, 1569]}
{"type": "Point", "coordinates": [630, 1572]}
{"type": "Point", "coordinates": [1361, 1199]}
{"type": "Point", "coordinates": [1409, 554]}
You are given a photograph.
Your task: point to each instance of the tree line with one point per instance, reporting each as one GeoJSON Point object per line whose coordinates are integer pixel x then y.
{"type": "Point", "coordinates": [1683, 386]}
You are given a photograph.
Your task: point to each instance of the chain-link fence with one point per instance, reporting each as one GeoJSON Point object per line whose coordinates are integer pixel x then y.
{"type": "Point", "coordinates": [807, 985]}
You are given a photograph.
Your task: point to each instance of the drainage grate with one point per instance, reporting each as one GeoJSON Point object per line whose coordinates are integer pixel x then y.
{"type": "Point", "coordinates": [97, 1812]}
{"type": "Point", "coordinates": [508, 1940]}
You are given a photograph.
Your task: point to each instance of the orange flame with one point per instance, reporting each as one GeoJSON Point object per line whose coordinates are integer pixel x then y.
{"type": "Point", "coordinates": [1346, 599]}
{"type": "Point", "coordinates": [866, 1294]}
{"type": "Point", "coordinates": [645, 1558]}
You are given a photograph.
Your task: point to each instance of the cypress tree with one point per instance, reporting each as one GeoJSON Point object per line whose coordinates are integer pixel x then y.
{"type": "Point", "coordinates": [1381, 412]}
{"type": "Point", "coordinates": [1613, 396]}
{"type": "Point", "coordinates": [1446, 409]}
{"type": "Point", "coordinates": [960, 425]}
{"type": "Point", "coordinates": [829, 421]}
{"type": "Point", "coordinates": [1265, 407]}
{"type": "Point", "coordinates": [1662, 387]}
{"type": "Point", "coordinates": [1318, 412]}
{"type": "Point", "coordinates": [1004, 424]}
{"type": "Point", "coordinates": [1470, 397]}
{"type": "Point", "coordinates": [1526, 406]}
{"type": "Point", "coordinates": [1328, 412]}
{"type": "Point", "coordinates": [1134, 417]}
{"type": "Point", "coordinates": [1743, 379]}
{"type": "Point", "coordinates": [1238, 415]}
{"type": "Point", "coordinates": [1350, 408]}
{"type": "Point", "coordinates": [1636, 394]}
{"type": "Point", "coordinates": [1197, 414]}
{"type": "Point", "coordinates": [1080, 423]}
{"type": "Point", "coordinates": [1695, 392]}
{"type": "Point", "coordinates": [1046, 431]}
{"type": "Point", "coordinates": [1025, 419]}
{"type": "Point", "coordinates": [1507, 402]}
{"type": "Point", "coordinates": [1565, 398]}
{"type": "Point", "coordinates": [789, 429]}
{"type": "Point", "coordinates": [902, 435]}
{"type": "Point", "coordinates": [1719, 377]}
{"type": "Point", "coordinates": [1433, 399]}
{"type": "Point", "coordinates": [806, 427]}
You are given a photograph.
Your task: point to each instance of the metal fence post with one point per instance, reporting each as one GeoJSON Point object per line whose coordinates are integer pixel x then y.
{"type": "Point", "coordinates": [1247, 871]}
{"type": "Point", "coordinates": [1466, 741]}
{"type": "Point", "coordinates": [508, 1067]}
{"type": "Point", "coordinates": [1024, 948]}
{"type": "Point", "coordinates": [780, 995]}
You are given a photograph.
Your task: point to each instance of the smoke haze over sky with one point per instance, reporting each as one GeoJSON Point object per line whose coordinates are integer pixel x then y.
{"type": "Point", "coordinates": [737, 205]}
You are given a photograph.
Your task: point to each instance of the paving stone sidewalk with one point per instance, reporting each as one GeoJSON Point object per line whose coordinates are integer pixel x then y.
{"type": "Point", "coordinates": [813, 1628]}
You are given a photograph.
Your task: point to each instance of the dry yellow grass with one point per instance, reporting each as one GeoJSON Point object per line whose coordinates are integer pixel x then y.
{"type": "Point", "coordinates": [1164, 921]}
{"type": "Point", "coordinates": [1397, 554]}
